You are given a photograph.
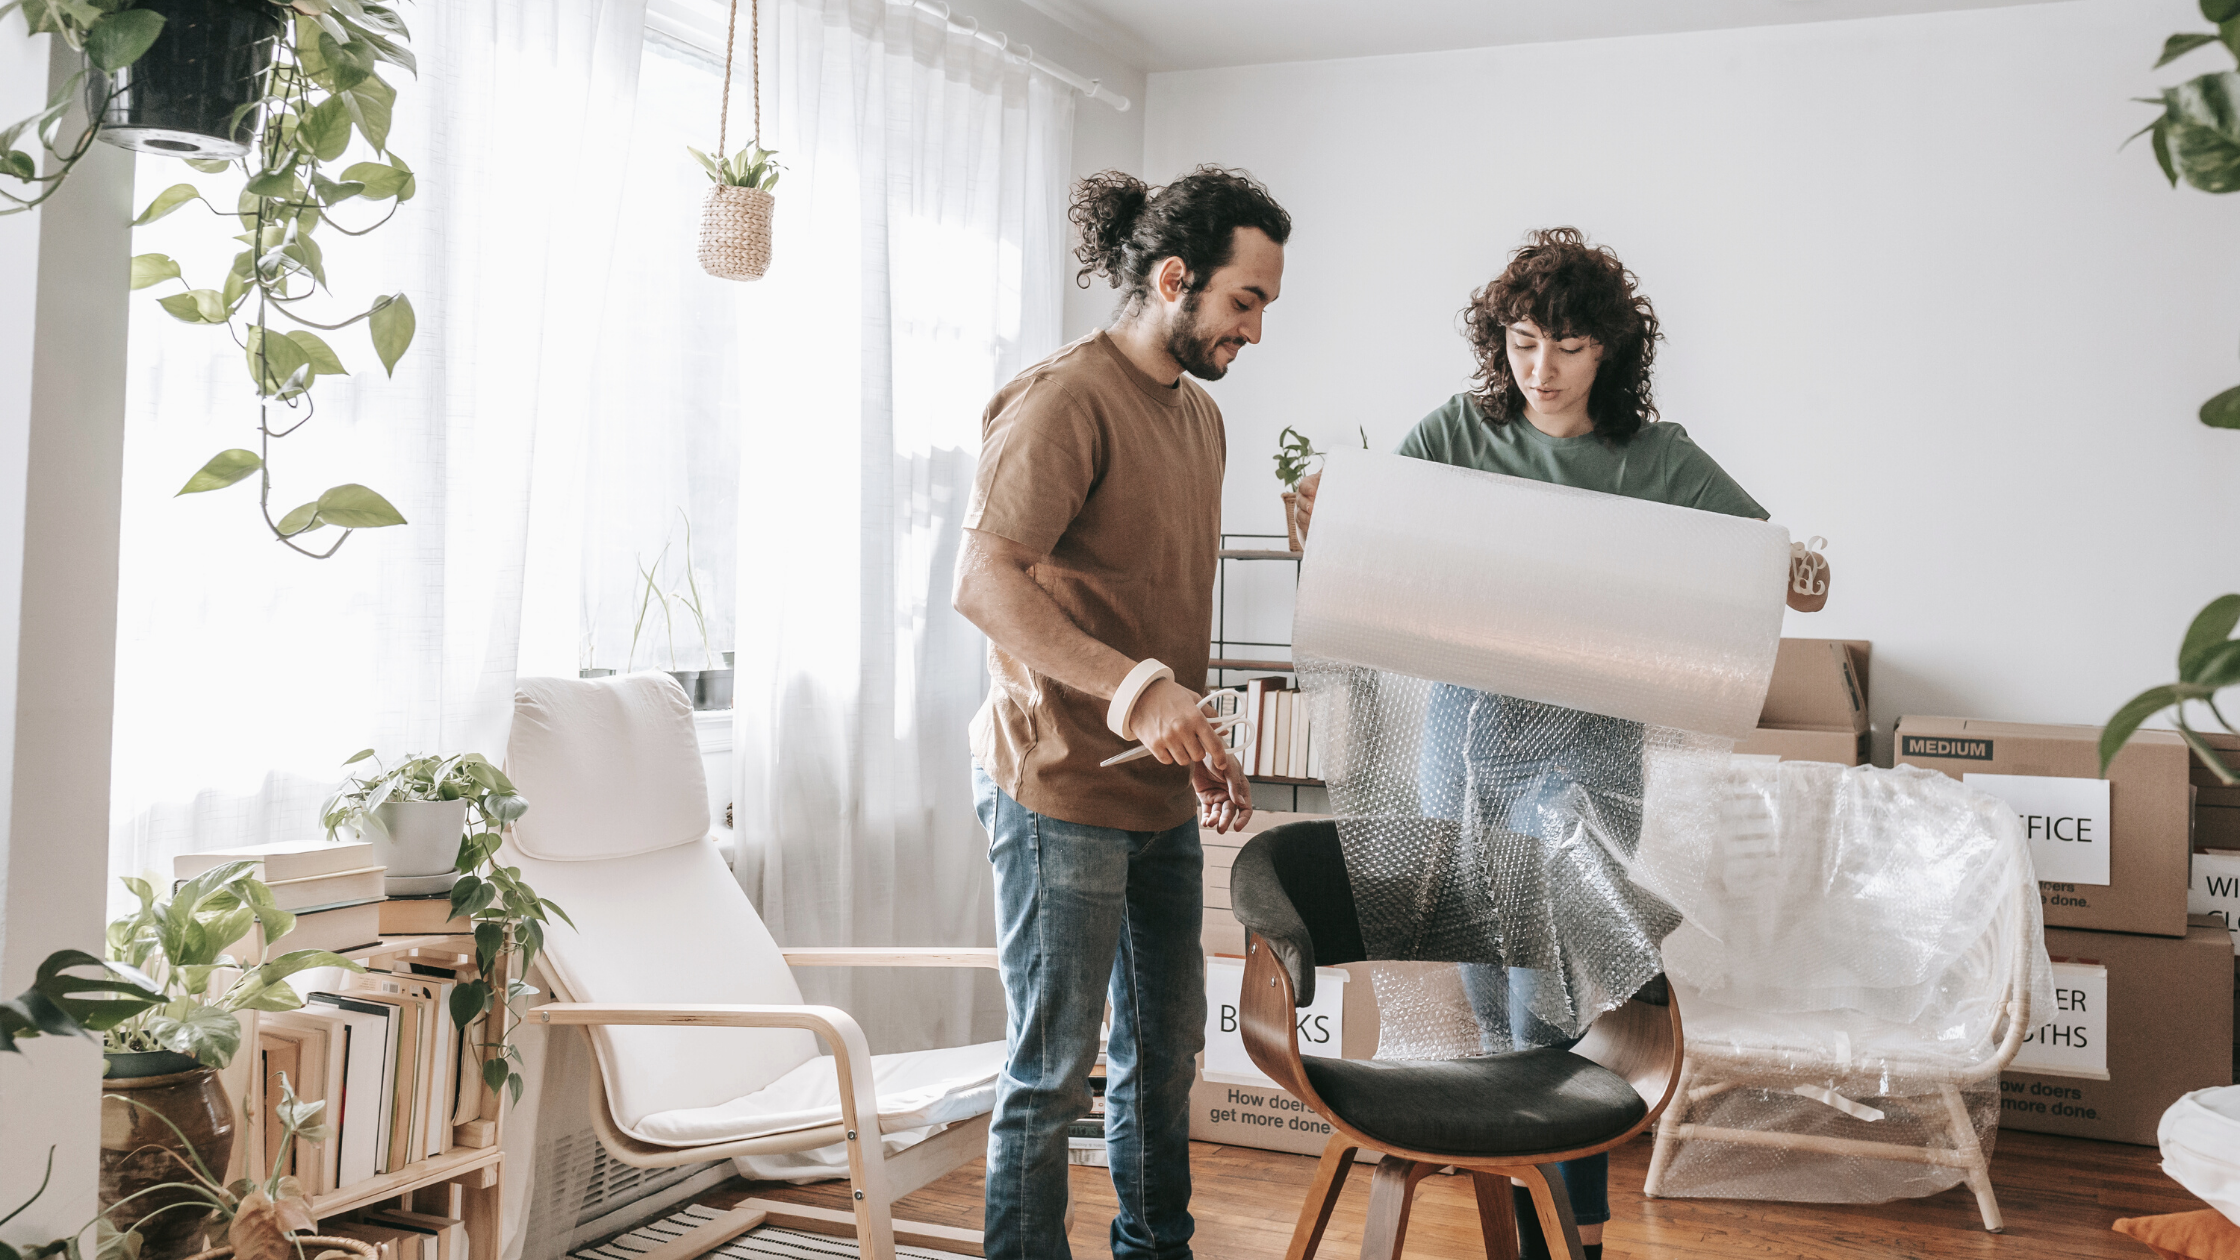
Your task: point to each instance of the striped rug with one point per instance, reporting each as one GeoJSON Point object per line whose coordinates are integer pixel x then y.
{"type": "Point", "coordinates": [766, 1243]}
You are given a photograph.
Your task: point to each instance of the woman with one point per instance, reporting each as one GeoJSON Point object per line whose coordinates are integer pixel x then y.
{"type": "Point", "coordinates": [1564, 344]}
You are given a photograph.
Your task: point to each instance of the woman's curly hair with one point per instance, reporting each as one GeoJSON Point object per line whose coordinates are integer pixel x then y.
{"type": "Point", "coordinates": [1567, 288]}
{"type": "Point", "coordinates": [1126, 226]}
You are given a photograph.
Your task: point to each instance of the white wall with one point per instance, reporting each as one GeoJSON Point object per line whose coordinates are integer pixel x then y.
{"type": "Point", "coordinates": [1916, 301]}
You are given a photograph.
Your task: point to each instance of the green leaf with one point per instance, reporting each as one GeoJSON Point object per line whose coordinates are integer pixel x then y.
{"type": "Point", "coordinates": [325, 130]}
{"type": "Point", "coordinates": [358, 756]}
{"type": "Point", "coordinates": [196, 306]}
{"type": "Point", "coordinates": [2161, 129]}
{"type": "Point", "coordinates": [494, 1073]}
{"type": "Point", "coordinates": [281, 184]}
{"type": "Point", "coordinates": [392, 326]}
{"type": "Point", "coordinates": [2220, 11]}
{"type": "Point", "coordinates": [320, 354]}
{"type": "Point", "coordinates": [207, 1034]}
{"type": "Point", "coordinates": [167, 201]}
{"type": "Point", "coordinates": [117, 40]}
{"type": "Point", "coordinates": [2211, 626]}
{"type": "Point", "coordinates": [272, 360]}
{"type": "Point", "coordinates": [2127, 719]}
{"type": "Point", "coordinates": [2218, 666]}
{"type": "Point", "coordinates": [17, 163]}
{"type": "Point", "coordinates": [301, 520]}
{"type": "Point", "coordinates": [371, 105]}
{"type": "Point", "coordinates": [2179, 45]}
{"type": "Point", "coordinates": [382, 180]}
{"type": "Point", "coordinates": [208, 166]}
{"type": "Point", "coordinates": [331, 192]}
{"type": "Point", "coordinates": [224, 468]}
{"type": "Point", "coordinates": [468, 1001]}
{"type": "Point", "coordinates": [150, 269]}
{"type": "Point", "coordinates": [2222, 411]}
{"type": "Point", "coordinates": [356, 507]}
{"type": "Point", "coordinates": [348, 65]}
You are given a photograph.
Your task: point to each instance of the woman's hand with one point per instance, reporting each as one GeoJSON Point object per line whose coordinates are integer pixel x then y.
{"type": "Point", "coordinates": [1224, 794]}
{"type": "Point", "coordinates": [1303, 507]}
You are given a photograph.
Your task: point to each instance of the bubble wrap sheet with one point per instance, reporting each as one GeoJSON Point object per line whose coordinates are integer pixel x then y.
{"type": "Point", "coordinates": [1508, 675]}
{"type": "Point", "coordinates": [1855, 945]}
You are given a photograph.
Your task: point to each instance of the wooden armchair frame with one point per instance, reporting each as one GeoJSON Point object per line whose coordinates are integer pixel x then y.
{"type": "Point", "coordinates": [1638, 1041]}
{"type": "Point", "coordinates": [1711, 1070]}
{"type": "Point", "coordinates": [875, 1181]}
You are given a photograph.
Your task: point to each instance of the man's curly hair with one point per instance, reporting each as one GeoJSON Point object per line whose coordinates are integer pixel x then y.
{"type": "Point", "coordinates": [1567, 288]}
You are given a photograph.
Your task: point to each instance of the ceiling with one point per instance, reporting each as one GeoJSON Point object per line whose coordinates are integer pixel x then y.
{"type": "Point", "coordinates": [1202, 34]}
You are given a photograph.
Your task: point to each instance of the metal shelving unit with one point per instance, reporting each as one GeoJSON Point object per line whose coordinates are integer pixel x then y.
{"type": "Point", "coordinates": [1240, 548]}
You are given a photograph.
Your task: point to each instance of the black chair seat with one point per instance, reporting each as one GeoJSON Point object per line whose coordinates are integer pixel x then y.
{"type": "Point", "coordinates": [1518, 1103]}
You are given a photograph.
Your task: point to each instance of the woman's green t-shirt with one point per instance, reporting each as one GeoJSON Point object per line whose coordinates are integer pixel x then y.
{"type": "Point", "coordinates": [1661, 463]}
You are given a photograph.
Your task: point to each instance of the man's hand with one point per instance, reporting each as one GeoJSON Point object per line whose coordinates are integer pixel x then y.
{"type": "Point", "coordinates": [1303, 507]}
{"type": "Point", "coordinates": [1168, 721]}
{"type": "Point", "coordinates": [1224, 794]}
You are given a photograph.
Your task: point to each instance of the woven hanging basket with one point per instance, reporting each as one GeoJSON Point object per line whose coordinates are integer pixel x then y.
{"type": "Point", "coordinates": [735, 232]}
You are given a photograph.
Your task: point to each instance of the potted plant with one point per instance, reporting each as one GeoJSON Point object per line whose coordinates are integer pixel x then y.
{"type": "Point", "coordinates": [650, 594]}
{"type": "Point", "coordinates": [415, 814]}
{"type": "Point", "coordinates": [1293, 451]}
{"type": "Point", "coordinates": [307, 76]}
{"type": "Point", "coordinates": [509, 917]}
{"type": "Point", "coordinates": [163, 1104]}
{"type": "Point", "coordinates": [715, 683]}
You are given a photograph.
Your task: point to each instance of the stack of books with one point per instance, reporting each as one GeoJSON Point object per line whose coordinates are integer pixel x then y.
{"type": "Point", "coordinates": [396, 1073]}
{"type": "Point", "coordinates": [333, 889]}
{"type": "Point", "coordinates": [1283, 744]}
{"type": "Point", "coordinates": [401, 1235]}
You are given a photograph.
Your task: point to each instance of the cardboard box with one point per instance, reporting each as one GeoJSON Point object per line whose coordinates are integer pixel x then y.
{"type": "Point", "coordinates": [2216, 804]}
{"type": "Point", "coordinates": [2116, 862]}
{"type": "Point", "coordinates": [1236, 1110]}
{"type": "Point", "coordinates": [1816, 706]}
{"type": "Point", "coordinates": [2162, 1031]}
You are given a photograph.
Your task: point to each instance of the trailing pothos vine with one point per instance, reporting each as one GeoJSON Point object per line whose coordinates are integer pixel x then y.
{"type": "Point", "coordinates": [323, 88]}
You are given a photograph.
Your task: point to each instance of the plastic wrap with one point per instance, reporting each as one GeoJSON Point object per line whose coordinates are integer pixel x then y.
{"type": "Point", "coordinates": [1661, 615]}
{"type": "Point", "coordinates": [1503, 673]}
{"type": "Point", "coordinates": [1855, 942]}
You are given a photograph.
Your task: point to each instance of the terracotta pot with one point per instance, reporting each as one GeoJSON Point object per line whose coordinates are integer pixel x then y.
{"type": "Point", "coordinates": [1291, 518]}
{"type": "Point", "coordinates": [138, 1150]}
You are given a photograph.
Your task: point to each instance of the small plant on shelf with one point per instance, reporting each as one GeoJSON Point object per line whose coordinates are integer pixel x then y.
{"type": "Point", "coordinates": [509, 917]}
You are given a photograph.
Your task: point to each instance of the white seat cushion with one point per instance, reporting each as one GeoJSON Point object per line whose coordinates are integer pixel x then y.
{"type": "Point", "coordinates": [916, 1089]}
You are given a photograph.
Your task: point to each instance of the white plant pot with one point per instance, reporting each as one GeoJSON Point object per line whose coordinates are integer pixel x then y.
{"type": "Point", "coordinates": [419, 842]}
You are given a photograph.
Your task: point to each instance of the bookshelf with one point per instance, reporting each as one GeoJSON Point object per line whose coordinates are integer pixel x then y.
{"type": "Point", "coordinates": [462, 1182]}
{"type": "Point", "coordinates": [1252, 656]}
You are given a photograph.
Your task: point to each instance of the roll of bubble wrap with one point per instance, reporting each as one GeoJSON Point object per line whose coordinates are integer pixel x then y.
{"type": "Point", "coordinates": [1657, 614]}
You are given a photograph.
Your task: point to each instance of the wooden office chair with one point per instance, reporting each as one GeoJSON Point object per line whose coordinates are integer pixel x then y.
{"type": "Point", "coordinates": [1500, 1118]}
{"type": "Point", "coordinates": [702, 1046]}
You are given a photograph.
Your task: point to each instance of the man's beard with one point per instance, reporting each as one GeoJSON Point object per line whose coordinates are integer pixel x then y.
{"type": "Point", "coordinates": [1192, 348]}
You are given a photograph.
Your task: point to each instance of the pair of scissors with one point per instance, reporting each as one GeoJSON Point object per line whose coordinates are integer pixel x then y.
{"type": "Point", "coordinates": [1221, 726]}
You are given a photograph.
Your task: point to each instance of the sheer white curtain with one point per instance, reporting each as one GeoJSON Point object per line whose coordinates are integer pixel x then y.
{"type": "Point", "coordinates": [919, 264]}
{"type": "Point", "coordinates": [246, 673]}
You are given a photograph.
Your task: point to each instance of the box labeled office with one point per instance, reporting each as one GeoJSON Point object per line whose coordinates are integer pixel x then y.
{"type": "Point", "coordinates": [1232, 1102]}
{"type": "Point", "coordinates": [2138, 1020]}
{"type": "Point", "coordinates": [2112, 855]}
{"type": "Point", "coordinates": [1816, 706]}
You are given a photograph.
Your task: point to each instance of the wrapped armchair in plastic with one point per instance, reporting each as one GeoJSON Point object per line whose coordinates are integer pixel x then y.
{"type": "Point", "coordinates": [702, 1046]}
{"type": "Point", "coordinates": [1859, 966]}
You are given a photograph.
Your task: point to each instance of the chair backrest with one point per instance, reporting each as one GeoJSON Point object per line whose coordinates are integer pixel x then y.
{"type": "Point", "coordinates": [1289, 884]}
{"type": "Point", "coordinates": [617, 835]}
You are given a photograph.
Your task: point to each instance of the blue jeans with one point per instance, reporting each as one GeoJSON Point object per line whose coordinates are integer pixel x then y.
{"type": "Point", "coordinates": [1083, 913]}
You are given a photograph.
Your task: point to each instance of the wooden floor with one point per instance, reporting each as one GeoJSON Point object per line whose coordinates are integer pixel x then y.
{"type": "Point", "coordinates": [2059, 1196]}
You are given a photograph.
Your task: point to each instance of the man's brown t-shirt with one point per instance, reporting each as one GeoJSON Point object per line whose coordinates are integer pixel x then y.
{"type": "Point", "coordinates": [1116, 480]}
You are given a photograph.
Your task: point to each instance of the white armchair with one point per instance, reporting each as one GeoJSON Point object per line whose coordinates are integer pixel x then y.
{"type": "Point", "coordinates": [702, 1045]}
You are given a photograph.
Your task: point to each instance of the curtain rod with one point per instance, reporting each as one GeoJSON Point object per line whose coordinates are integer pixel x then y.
{"type": "Point", "coordinates": [1093, 89]}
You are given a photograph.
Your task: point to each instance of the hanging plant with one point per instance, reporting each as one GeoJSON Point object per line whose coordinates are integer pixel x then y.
{"type": "Point", "coordinates": [735, 220]}
{"type": "Point", "coordinates": [279, 89]}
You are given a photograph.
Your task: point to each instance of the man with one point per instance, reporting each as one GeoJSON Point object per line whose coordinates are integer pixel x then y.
{"type": "Point", "coordinates": [1088, 559]}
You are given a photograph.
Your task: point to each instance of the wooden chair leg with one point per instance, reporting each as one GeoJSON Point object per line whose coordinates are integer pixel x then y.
{"type": "Point", "coordinates": [1553, 1200]}
{"type": "Point", "coordinates": [1392, 1193]}
{"type": "Point", "coordinates": [1322, 1196]}
{"type": "Point", "coordinates": [1497, 1215]}
{"type": "Point", "coordinates": [1978, 1165]}
{"type": "Point", "coordinates": [1668, 1132]}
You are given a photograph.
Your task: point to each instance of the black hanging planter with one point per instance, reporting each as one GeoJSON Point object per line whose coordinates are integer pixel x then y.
{"type": "Point", "coordinates": [180, 98]}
